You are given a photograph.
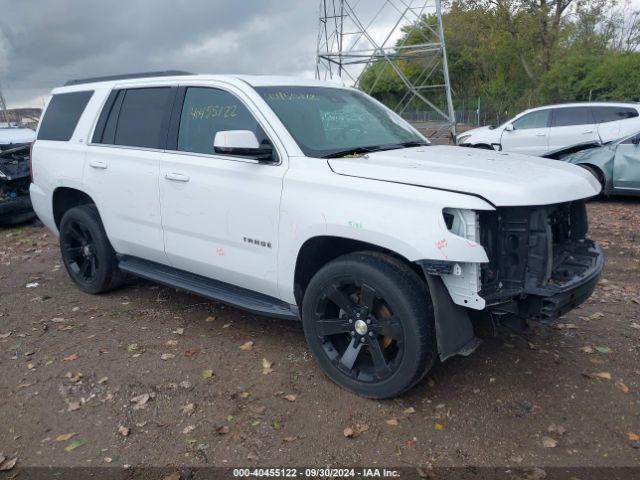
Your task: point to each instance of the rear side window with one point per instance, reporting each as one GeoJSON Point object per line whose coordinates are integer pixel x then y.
{"type": "Point", "coordinates": [141, 117]}
{"type": "Point", "coordinates": [613, 114]}
{"type": "Point", "coordinates": [62, 115]}
{"type": "Point", "coordinates": [538, 119]}
{"type": "Point", "coordinates": [568, 116]}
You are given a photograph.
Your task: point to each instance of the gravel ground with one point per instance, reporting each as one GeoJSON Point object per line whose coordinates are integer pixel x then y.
{"type": "Point", "coordinates": [147, 375]}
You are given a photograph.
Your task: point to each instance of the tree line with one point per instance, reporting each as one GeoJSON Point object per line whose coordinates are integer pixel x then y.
{"type": "Point", "coordinates": [514, 54]}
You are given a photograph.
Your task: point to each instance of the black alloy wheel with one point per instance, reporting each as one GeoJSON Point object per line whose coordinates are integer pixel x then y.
{"type": "Point", "coordinates": [368, 320]}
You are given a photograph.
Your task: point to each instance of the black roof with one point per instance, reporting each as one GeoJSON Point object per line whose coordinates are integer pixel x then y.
{"type": "Point", "coordinates": [164, 73]}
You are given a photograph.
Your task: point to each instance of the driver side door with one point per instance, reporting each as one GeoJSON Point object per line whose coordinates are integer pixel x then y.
{"type": "Point", "coordinates": [530, 134]}
{"type": "Point", "coordinates": [220, 212]}
{"type": "Point", "coordinates": [626, 166]}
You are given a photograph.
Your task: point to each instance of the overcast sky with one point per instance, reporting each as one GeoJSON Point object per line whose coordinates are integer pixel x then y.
{"type": "Point", "coordinates": [43, 43]}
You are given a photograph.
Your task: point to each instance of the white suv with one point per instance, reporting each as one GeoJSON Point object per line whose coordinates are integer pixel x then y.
{"type": "Point", "coordinates": [306, 200]}
{"type": "Point", "coordinates": [547, 129]}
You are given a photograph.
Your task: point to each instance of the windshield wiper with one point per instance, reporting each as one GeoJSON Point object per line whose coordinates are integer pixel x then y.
{"type": "Point", "coordinates": [375, 148]}
{"type": "Point", "coordinates": [355, 151]}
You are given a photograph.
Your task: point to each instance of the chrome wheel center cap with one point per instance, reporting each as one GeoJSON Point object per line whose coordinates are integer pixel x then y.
{"type": "Point", "coordinates": [86, 250]}
{"type": "Point", "coordinates": [360, 327]}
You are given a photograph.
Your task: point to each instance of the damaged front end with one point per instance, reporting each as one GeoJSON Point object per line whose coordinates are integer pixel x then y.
{"type": "Point", "coordinates": [15, 172]}
{"type": "Point", "coordinates": [541, 265]}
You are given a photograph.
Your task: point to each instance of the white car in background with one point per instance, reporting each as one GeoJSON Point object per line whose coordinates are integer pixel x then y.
{"type": "Point", "coordinates": [15, 136]}
{"type": "Point", "coordinates": [545, 129]}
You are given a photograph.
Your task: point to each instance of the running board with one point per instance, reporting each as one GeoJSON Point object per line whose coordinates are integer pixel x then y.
{"type": "Point", "coordinates": [242, 298]}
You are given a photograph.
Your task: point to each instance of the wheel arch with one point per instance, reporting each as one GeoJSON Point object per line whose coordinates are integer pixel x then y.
{"type": "Point", "coordinates": [317, 251]}
{"type": "Point", "coordinates": [65, 198]}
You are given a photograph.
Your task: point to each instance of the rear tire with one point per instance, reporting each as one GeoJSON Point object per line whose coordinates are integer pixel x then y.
{"type": "Point", "coordinates": [86, 251]}
{"type": "Point", "coordinates": [369, 323]}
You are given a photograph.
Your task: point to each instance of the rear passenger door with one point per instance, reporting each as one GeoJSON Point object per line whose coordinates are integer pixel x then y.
{"type": "Point", "coordinates": [220, 213]}
{"type": "Point", "coordinates": [121, 171]}
{"type": "Point", "coordinates": [616, 121]}
{"type": "Point", "coordinates": [571, 126]}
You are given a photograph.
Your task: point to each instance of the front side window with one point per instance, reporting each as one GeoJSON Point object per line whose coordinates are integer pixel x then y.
{"type": "Point", "coordinates": [613, 114]}
{"type": "Point", "coordinates": [207, 111]}
{"type": "Point", "coordinates": [569, 116]}
{"type": "Point", "coordinates": [62, 115]}
{"type": "Point", "coordinates": [537, 119]}
{"type": "Point", "coordinates": [328, 121]}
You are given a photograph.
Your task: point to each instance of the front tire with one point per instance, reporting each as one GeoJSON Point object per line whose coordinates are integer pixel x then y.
{"type": "Point", "coordinates": [369, 322]}
{"type": "Point", "coordinates": [86, 251]}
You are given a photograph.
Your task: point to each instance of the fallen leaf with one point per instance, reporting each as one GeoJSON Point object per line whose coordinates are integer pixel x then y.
{"type": "Point", "coordinates": [171, 343]}
{"type": "Point", "coordinates": [132, 347]}
{"type": "Point", "coordinates": [8, 464]}
{"type": "Point", "coordinates": [559, 429]}
{"type": "Point", "coordinates": [291, 397]}
{"type": "Point", "coordinates": [246, 345]}
{"type": "Point", "coordinates": [73, 406]}
{"type": "Point", "coordinates": [188, 429]}
{"type": "Point", "coordinates": [32, 285]}
{"type": "Point", "coordinates": [75, 444]}
{"type": "Point", "coordinates": [71, 358]}
{"type": "Point", "coordinates": [587, 349]}
{"type": "Point", "coordinates": [103, 380]}
{"type": "Point", "coordinates": [267, 366]}
{"type": "Point", "coordinates": [392, 422]}
{"type": "Point", "coordinates": [603, 349]}
{"type": "Point", "coordinates": [439, 426]}
{"type": "Point", "coordinates": [107, 459]}
{"type": "Point", "coordinates": [633, 437]}
{"type": "Point", "coordinates": [207, 373]}
{"type": "Point", "coordinates": [276, 425]}
{"type": "Point", "coordinates": [620, 385]}
{"type": "Point", "coordinates": [191, 352]}
{"type": "Point", "coordinates": [409, 410]}
{"type": "Point", "coordinates": [244, 394]}
{"type": "Point", "coordinates": [222, 430]}
{"type": "Point", "coordinates": [188, 409]}
{"type": "Point", "coordinates": [548, 442]}
{"type": "Point", "coordinates": [124, 431]}
{"type": "Point", "coordinates": [140, 401]}
{"type": "Point", "coordinates": [355, 431]}
{"type": "Point", "coordinates": [210, 319]}
{"type": "Point", "coordinates": [178, 331]}
{"type": "Point", "coordinates": [602, 375]}
{"type": "Point", "coordinates": [5, 335]}
{"type": "Point", "coordinates": [65, 437]}
{"type": "Point", "coordinates": [167, 356]}
{"type": "Point", "coordinates": [596, 316]}
{"type": "Point", "coordinates": [185, 384]}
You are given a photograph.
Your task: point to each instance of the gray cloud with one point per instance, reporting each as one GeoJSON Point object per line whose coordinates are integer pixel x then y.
{"type": "Point", "coordinates": [46, 42]}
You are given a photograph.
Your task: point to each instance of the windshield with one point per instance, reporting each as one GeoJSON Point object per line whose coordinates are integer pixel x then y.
{"type": "Point", "coordinates": [332, 122]}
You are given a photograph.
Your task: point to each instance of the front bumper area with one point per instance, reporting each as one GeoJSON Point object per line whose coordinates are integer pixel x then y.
{"type": "Point", "coordinates": [546, 304]}
{"type": "Point", "coordinates": [541, 265]}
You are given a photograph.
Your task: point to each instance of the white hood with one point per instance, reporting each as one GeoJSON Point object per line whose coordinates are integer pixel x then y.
{"type": "Point", "coordinates": [504, 179]}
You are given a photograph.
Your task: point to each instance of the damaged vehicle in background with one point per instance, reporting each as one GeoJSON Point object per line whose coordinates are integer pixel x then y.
{"type": "Point", "coordinates": [15, 173]}
{"type": "Point", "coordinates": [616, 165]}
{"type": "Point", "coordinates": [541, 130]}
{"type": "Point", "coordinates": [309, 201]}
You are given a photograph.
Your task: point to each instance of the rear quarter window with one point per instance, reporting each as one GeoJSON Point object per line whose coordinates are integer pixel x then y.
{"type": "Point", "coordinates": [613, 114]}
{"type": "Point", "coordinates": [62, 115]}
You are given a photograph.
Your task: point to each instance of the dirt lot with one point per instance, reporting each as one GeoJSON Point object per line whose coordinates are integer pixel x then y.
{"type": "Point", "coordinates": [149, 375]}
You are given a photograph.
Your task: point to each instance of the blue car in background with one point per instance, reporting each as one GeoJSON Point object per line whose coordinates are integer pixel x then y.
{"type": "Point", "coordinates": [615, 164]}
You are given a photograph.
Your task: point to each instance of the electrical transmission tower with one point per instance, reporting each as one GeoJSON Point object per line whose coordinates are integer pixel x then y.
{"type": "Point", "coordinates": [372, 39]}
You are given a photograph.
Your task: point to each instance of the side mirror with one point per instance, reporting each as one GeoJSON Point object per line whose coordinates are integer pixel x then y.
{"type": "Point", "coordinates": [509, 127]}
{"type": "Point", "coordinates": [243, 143]}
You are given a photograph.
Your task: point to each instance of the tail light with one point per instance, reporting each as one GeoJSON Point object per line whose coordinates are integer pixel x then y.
{"type": "Point", "coordinates": [31, 160]}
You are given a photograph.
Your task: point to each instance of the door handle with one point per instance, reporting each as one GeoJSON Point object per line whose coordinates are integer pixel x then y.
{"type": "Point", "coordinates": [98, 164]}
{"type": "Point", "coordinates": [587, 131]}
{"type": "Point", "coordinates": [541, 134]}
{"type": "Point", "coordinates": [176, 177]}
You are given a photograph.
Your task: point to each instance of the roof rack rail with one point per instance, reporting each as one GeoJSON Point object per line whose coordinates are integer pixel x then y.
{"type": "Point", "coordinates": [164, 73]}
